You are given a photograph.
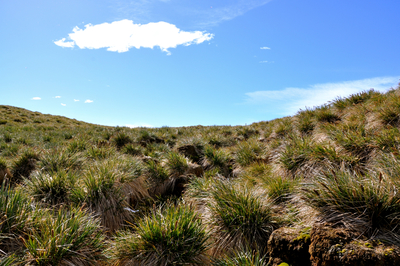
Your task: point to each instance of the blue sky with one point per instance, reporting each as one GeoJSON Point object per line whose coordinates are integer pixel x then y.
{"type": "Point", "coordinates": [184, 62]}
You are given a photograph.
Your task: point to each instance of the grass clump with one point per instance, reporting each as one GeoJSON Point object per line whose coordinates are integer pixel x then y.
{"type": "Point", "coordinates": [354, 99]}
{"type": "Point", "coordinates": [279, 188]}
{"type": "Point", "coordinates": [389, 111]}
{"type": "Point", "coordinates": [368, 204]}
{"type": "Point", "coordinates": [134, 150]}
{"type": "Point", "coordinates": [176, 164]}
{"type": "Point", "coordinates": [121, 139]}
{"type": "Point", "coordinates": [77, 146]}
{"type": "Point", "coordinates": [242, 258]}
{"type": "Point", "coordinates": [24, 165]}
{"type": "Point", "coordinates": [297, 153]}
{"type": "Point", "coordinates": [101, 192]}
{"type": "Point", "coordinates": [239, 218]}
{"type": "Point", "coordinates": [99, 153]}
{"type": "Point", "coordinates": [173, 235]}
{"type": "Point", "coordinates": [155, 172]}
{"type": "Point", "coordinates": [354, 138]}
{"type": "Point", "coordinates": [283, 127]}
{"type": "Point", "coordinates": [306, 123]}
{"type": "Point", "coordinates": [387, 139]}
{"type": "Point", "coordinates": [249, 152]}
{"type": "Point", "coordinates": [51, 189]}
{"type": "Point", "coordinates": [146, 137]}
{"type": "Point", "coordinates": [217, 159]}
{"type": "Point", "coordinates": [67, 237]}
{"type": "Point", "coordinates": [15, 212]}
{"type": "Point", "coordinates": [54, 161]}
{"type": "Point", "coordinates": [325, 114]}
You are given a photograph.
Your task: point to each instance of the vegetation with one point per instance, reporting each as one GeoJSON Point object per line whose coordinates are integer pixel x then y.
{"type": "Point", "coordinates": [170, 235]}
{"type": "Point", "coordinates": [74, 193]}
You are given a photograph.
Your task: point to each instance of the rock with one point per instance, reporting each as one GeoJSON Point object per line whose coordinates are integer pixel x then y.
{"type": "Point", "coordinates": [337, 247]}
{"type": "Point", "coordinates": [195, 169]}
{"type": "Point", "coordinates": [4, 174]}
{"type": "Point", "coordinates": [289, 245]}
{"type": "Point", "coordinates": [191, 152]}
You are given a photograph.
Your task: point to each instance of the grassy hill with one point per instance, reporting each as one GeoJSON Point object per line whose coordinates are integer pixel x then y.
{"type": "Point", "coordinates": [317, 188]}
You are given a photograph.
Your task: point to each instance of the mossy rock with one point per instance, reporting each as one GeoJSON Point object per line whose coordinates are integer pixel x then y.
{"type": "Point", "coordinates": [289, 246]}
{"type": "Point", "coordinates": [336, 246]}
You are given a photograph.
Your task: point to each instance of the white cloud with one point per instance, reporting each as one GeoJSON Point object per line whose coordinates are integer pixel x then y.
{"type": "Point", "coordinates": [63, 43]}
{"type": "Point", "coordinates": [265, 48]}
{"type": "Point", "coordinates": [57, 97]}
{"type": "Point", "coordinates": [75, 100]}
{"type": "Point", "coordinates": [138, 125]}
{"type": "Point", "coordinates": [291, 100]}
{"type": "Point", "coordinates": [263, 62]}
{"type": "Point", "coordinates": [63, 104]}
{"type": "Point", "coordinates": [88, 101]}
{"type": "Point", "coordinates": [120, 36]}
{"type": "Point", "coordinates": [36, 98]}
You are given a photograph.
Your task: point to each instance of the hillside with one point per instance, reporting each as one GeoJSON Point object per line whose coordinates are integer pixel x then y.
{"type": "Point", "coordinates": [318, 188]}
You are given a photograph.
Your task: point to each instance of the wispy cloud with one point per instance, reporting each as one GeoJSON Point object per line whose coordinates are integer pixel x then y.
{"type": "Point", "coordinates": [196, 14]}
{"type": "Point", "coordinates": [75, 100]}
{"type": "Point", "coordinates": [36, 98]}
{"type": "Point", "coordinates": [221, 14]}
{"type": "Point", "coordinates": [265, 48]}
{"type": "Point", "coordinates": [290, 100]}
{"type": "Point", "coordinates": [264, 62]}
{"type": "Point", "coordinates": [57, 97]}
{"type": "Point", "coordinates": [138, 125]}
{"type": "Point", "coordinates": [63, 104]}
{"type": "Point", "coordinates": [88, 101]}
{"type": "Point", "coordinates": [120, 36]}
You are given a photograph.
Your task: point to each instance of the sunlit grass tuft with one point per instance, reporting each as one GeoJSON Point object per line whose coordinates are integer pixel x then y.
{"type": "Point", "coordinates": [173, 235]}
{"type": "Point", "coordinates": [67, 237]}
{"type": "Point", "coordinates": [239, 218]}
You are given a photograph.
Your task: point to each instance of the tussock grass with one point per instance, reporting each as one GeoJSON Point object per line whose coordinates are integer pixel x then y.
{"type": "Point", "coordinates": [239, 217]}
{"type": "Point", "coordinates": [170, 235]}
{"type": "Point", "coordinates": [176, 164]}
{"type": "Point", "coordinates": [101, 193]}
{"type": "Point", "coordinates": [354, 138]}
{"type": "Point", "coordinates": [242, 258]}
{"type": "Point", "coordinates": [355, 99]}
{"type": "Point", "coordinates": [77, 146]}
{"type": "Point", "coordinates": [99, 153]}
{"type": "Point", "coordinates": [60, 160]}
{"type": "Point", "coordinates": [66, 237]}
{"type": "Point", "coordinates": [306, 122]}
{"type": "Point", "coordinates": [52, 188]}
{"type": "Point", "coordinates": [15, 212]}
{"type": "Point", "coordinates": [134, 150]}
{"type": "Point", "coordinates": [121, 139]}
{"type": "Point", "coordinates": [24, 165]}
{"type": "Point", "coordinates": [389, 111]}
{"type": "Point", "coordinates": [145, 137]}
{"type": "Point", "coordinates": [283, 127]}
{"type": "Point", "coordinates": [324, 114]}
{"type": "Point", "coordinates": [217, 159]}
{"type": "Point", "coordinates": [369, 204]}
{"type": "Point", "coordinates": [249, 152]}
